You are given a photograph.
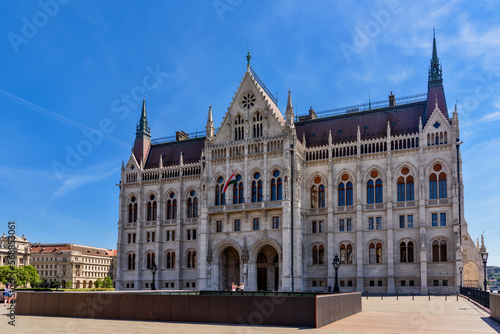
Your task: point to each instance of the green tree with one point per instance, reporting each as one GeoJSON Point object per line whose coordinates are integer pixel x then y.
{"type": "Point", "coordinates": [31, 273]}
{"type": "Point", "coordinates": [108, 283]}
{"type": "Point", "coordinates": [55, 284]}
{"type": "Point", "coordinates": [98, 283]}
{"type": "Point", "coordinates": [68, 284]}
{"type": "Point", "coordinates": [14, 275]}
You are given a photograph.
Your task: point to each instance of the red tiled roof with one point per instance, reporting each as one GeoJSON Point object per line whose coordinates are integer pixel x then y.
{"type": "Point", "coordinates": [56, 248]}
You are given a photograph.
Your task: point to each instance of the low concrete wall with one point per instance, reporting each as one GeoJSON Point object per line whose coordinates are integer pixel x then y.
{"type": "Point", "coordinates": [330, 308]}
{"type": "Point", "coordinates": [303, 311]}
{"type": "Point", "coordinates": [495, 306]}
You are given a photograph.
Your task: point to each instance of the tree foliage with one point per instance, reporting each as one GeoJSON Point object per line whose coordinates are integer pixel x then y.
{"type": "Point", "coordinates": [19, 276]}
{"type": "Point", "coordinates": [108, 283]}
{"type": "Point", "coordinates": [98, 283]}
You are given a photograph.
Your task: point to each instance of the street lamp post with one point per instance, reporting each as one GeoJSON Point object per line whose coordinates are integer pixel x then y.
{"type": "Point", "coordinates": [153, 269]}
{"type": "Point", "coordinates": [484, 255]}
{"type": "Point", "coordinates": [461, 270]}
{"type": "Point", "coordinates": [336, 265]}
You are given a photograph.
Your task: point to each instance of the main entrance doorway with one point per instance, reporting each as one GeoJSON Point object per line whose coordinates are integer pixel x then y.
{"type": "Point", "coordinates": [230, 268]}
{"type": "Point", "coordinates": [268, 273]}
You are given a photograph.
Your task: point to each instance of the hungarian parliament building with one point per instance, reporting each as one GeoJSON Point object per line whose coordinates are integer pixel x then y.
{"type": "Point", "coordinates": [269, 199]}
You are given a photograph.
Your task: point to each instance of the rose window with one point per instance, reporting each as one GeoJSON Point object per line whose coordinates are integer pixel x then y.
{"type": "Point", "coordinates": [248, 101]}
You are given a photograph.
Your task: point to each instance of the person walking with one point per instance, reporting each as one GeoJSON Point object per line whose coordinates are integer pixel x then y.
{"type": "Point", "coordinates": [7, 295]}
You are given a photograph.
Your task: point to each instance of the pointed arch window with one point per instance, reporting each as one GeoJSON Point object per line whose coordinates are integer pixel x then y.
{"type": "Point", "coordinates": [321, 255]}
{"type": "Point", "coordinates": [220, 198]}
{"type": "Point", "coordinates": [192, 205]}
{"type": "Point", "coordinates": [131, 261]}
{"type": "Point", "coordinates": [378, 191]}
{"type": "Point", "coordinates": [276, 187]}
{"type": "Point", "coordinates": [171, 207]}
{"type": "Point", "coordinates": [346, 254]}
{"type": "Point", "coordinates": [439, 251]}
{"type": "Point", "coordinates": [433, 194]}
{"type": "Point", "coordinates": [150, 260]}
{"type": "Point", "coordinates": [369, 192]}
{"type": "Point", "coordinates": [321, 196]}
{"type": "Point", "coordinates": [349, 193]}
{"type": "Point", "coordinates": [375, 253]}
{"type": "Point", "coordinates": [257, 125]}
{"type": "Point", "coordinates": [341, 194]}
{"type": "Point", "coordinates": [314, 197]}
{"type": "Point", "coordinates": [256, 188]}
{"type": "Point", "coordinates": [406, 252]}
{"type": "Point", "coordinates": [410, 189]}
{"type": "Point", "coordinates": [401, 189]}
{"type": "Point", "coordinates": [442, 185]}
{"type": "Point", "coordinates": [238, 190]}
{"type": "Point", "coordinates": [239, 133]}
{"type": "Point", "coordinates": [315, 255]}
{"type": "Point", "coordinates": [151, 214]}
{"type": "Point", "coordinates": [132, 210]}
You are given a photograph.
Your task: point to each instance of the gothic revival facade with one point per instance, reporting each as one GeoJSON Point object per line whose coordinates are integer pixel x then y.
{"type": "Point", "coordinates": [268, 199]}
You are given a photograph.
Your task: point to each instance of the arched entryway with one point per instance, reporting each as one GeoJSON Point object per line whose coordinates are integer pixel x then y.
{"type": "Point", "coordinates": [471, 275]}
{"type": "Point", "coordinates": [229, 268]}
{"type": "Point", "coordinates": [63, 284]}
{"type": "Point", "coordinates": [84, 284]}
{"type": "Point", "coordinates": [268, 269]}
{"type": "Point", "coordinates": [78, 284]}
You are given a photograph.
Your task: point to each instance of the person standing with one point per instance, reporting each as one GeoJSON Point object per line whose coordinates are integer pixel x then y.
{"type": "Point", "coordinates": [7, 294]}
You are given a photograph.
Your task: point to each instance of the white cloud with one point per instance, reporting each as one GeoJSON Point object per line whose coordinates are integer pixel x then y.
{"type": "Point", "coordinates": [495, 116]}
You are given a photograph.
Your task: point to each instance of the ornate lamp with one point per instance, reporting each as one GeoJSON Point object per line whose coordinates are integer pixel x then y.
{"type": "Point", "coordinates": [153, 269]}
{"type": "Point", "coordinates": [336, 265]}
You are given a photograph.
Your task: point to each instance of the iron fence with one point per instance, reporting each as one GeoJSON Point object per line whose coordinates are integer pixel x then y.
{"type": "Point", "coordinates": [477, 295]}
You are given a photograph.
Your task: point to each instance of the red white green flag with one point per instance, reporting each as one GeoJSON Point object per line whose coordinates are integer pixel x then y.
{"type": "Point", "coordinates": [231, 180]}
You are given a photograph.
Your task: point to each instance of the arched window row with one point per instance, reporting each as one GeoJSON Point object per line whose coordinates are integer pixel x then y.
{"type": "Point", "coordinates": [402, 144]}
{"type": "Point", "coordinates": [406, 188]}
{"type": "Point", "coordinates": [437, 185]}
{"type": "Point", "coordinates": [374, 147]}
{"type": "Point", "coordinates": [437, 138]}
{"type": "Point", "coordinates": [318, 255]}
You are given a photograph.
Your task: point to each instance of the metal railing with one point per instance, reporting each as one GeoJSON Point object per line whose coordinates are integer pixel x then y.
{"type": "Point", "coordinates": [264, 87]}
{"type": "Point", "coordinates": [369, 106]}
{"type": "Point", "coordinates": [477, 295]}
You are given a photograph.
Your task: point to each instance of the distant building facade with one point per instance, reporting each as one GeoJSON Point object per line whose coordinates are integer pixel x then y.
{"type": "Point", "coordinates": [21, 250]}
{"type": "Point", "coordinates": [82, 265]}
{"type": "Point", "coordinates": [269, 200]}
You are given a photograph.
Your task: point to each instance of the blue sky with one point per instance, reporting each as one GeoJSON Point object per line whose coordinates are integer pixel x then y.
{"type": "Point", "coordinates": [71, 67]}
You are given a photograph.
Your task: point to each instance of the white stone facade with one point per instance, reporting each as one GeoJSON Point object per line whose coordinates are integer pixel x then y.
{"type": "Point", "coordinates": [286, 240]}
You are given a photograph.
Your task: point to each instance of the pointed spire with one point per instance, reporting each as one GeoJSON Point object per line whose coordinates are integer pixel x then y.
{"type": "Point", "coordinates": [359, 134]}
{"type": "Point", "coordinates": [435, 70]}
{"type": "Point", "coordinates": [143, 126]}
{"type": "Point", "coordinates": [420, 127]}
{"type": "Point", "coordinates": [161, 161]}
{"type": "Point", "coordinates": [483, 247]}
{"type": "Point", "coordinates": [181, 159]}
{"type": "Point", "coordinates": [369, 101]}
{"type": "Point", "coordinates": [210, 124]}
{"type": "Point", "coordinates": [304, 139]}
{"type": "Point", "coordinates": [123, 165]}
{"type": "Point", "coordinates": [289, 110]}
{"type": "Point", "coordinates": [330, 139]}
{"type": "Point", "coordinates": [388, 129]}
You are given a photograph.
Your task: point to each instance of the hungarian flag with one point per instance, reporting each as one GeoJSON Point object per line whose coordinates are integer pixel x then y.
{"type": "Point", "coordinates": [231, 180]}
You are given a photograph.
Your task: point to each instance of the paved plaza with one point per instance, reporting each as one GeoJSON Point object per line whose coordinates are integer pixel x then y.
{"type": "Point", "coordinates": [379, 316]}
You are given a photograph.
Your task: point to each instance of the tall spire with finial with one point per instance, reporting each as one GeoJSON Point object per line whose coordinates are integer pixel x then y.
{"type": "Point", "coordinates": [210, 124]}
{"type": "Point", "coordinates": [142, 125]}
{"type": "Point", "coordinates": [435, 69]}
{"type": "Point", "coordinates": [289, 110]}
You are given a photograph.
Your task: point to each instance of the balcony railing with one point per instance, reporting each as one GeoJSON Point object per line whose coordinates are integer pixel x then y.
{"type": "Point", "coordinates": [244, 206]}
{"type": "Point", "coordinates": [477, 295]}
